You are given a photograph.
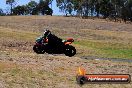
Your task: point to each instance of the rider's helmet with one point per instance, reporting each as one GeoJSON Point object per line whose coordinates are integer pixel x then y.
{"type": "Point", "coordinates": [46, 33]}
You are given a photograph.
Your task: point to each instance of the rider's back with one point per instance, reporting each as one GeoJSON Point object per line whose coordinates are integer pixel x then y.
{"type": "Point", "coordinates": [54, 40]}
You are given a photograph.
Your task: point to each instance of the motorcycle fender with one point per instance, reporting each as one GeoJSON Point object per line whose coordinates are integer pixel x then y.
{"type": "Point", "coordinates": [67, 43]}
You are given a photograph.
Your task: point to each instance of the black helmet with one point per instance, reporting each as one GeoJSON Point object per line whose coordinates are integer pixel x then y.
{"type": "Point", "coordinates": [47, 32]}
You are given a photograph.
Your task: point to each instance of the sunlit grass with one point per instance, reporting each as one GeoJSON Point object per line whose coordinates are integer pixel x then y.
{"type": "Point", "coordinates": [19, 35]}
{"type": "Point", "coordinates": [94, 43]}
{"type": "Point", "coordinates": [108, 50]}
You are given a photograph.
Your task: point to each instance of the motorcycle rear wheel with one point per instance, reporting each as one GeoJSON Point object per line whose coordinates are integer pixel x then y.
{"type": "Point", "coordinates": [38, 49]}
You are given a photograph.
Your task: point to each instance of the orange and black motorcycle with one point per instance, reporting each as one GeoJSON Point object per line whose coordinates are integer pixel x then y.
{"type": "Point", "coordinates": [54, 45]}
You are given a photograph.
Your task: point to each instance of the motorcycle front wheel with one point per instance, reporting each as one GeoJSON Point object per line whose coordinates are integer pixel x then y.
{"type": "Point", "coordinates": [70, 51]}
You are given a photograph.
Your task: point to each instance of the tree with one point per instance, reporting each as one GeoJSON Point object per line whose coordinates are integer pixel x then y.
{"type": "Point", "coordinates": [20, 10]}
{"type": "Point", "coordinates": [126, 11]}
{"type": "Point", "coordinates": [65, 6]}
{"type": "Point", "coordinates": [11, 3]}
{"type": "Point", "coordinates": [32, 8]}
{"type": "Point", "coordinates": [107, 8]}
{"type": "Point", "coordinates": [44, 8]}
{"type": "Point", "coordinates": [49, 11]}
{"type": "Point", "coordinates": [1, 12]}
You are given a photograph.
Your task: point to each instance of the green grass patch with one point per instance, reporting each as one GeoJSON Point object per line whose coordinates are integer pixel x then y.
{"type": "Point", "coordinates": [117, 53]}
{"type": "Point", "coordinates": [106, 49]}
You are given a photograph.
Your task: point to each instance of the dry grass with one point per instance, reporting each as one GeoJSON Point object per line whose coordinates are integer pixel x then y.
{"type": "Point", "coordinates": [20, 67]}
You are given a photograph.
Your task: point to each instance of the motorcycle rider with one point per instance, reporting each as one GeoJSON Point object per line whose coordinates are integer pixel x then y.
{"type": "Point", "coordinates": [46, 33]}
{"type": "Point", "coordinates": [51, 44]}
{"type": "Point", "coordinates": [53, 40]}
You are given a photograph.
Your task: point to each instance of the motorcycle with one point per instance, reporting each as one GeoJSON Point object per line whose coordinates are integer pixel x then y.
{"type": "Point", "coordinates": [51, 46]}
